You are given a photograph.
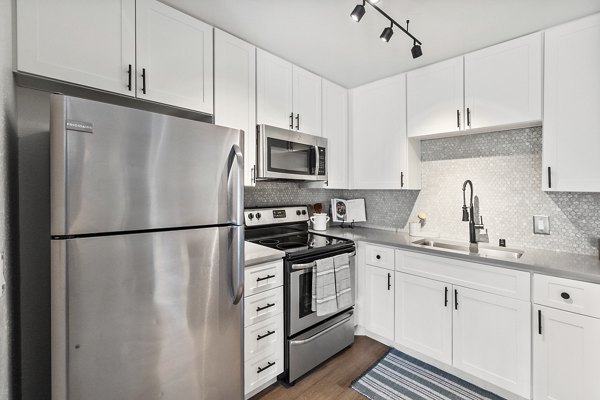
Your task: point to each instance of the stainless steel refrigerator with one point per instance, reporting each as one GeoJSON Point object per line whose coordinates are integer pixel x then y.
{"type": "Point", "coordinates": [147, 255]}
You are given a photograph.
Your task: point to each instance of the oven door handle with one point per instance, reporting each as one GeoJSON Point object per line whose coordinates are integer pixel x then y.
{"type": "Point", "coordinates": [318, 335]}
{"type": "Point", "coordinates": [298, 267]}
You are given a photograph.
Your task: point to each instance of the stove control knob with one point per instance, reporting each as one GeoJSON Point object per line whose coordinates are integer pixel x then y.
{"type": "Point", "coordinates": [250, 216]}
{"type": "Point", "coordinates": [297, 212]}
{"type": "Point", "coordinates": [257, 215]}
{"type": "Point", "coordinates": [303, 212]}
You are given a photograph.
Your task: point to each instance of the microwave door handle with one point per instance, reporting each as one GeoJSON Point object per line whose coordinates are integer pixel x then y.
{"type": "Point", "coordinates": [316, 160]}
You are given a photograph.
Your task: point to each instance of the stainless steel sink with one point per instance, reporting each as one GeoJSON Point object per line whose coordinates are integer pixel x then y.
{"type": "Point", "coordinates": [464, 248]}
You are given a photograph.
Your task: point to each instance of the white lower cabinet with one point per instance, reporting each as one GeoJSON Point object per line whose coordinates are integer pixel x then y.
{"type": "Point", "coordinates": [263, 332]}
{"type": "Point", "coordinates": [492, 339]}
{"type": "Point", "coordinates": [566, 345]}
{"type": "Point", "coordinates": [379, 302]}
{"type": "Point", "coordinates": [424, 316]}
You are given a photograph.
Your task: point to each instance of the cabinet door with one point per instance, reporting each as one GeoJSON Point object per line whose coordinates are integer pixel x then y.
{"type": "Point", "coordinates": [566, 351]}
{"type": "Point", "coordinates": [503, 83]}
{"type": "Point", "coordinates": [235, 93]}
{"type": "Point", "coordinates": [434, 96]}
{"type": "Point", "coordinates": [424, 316]}
{"type": "Point", "coordinates": [379, 302]}
{"type": "Point", "coordinates": [174, 57]}
{"type": "Point", "coordinates": [571, 104]}
{"type": "Point", "coordinates": [378, 139]}
{"type": "Point", "coordinates": [492, 339]}
{"type": "Point", "coordinates": [306, 92]}
{"type": "Point", "coordinates": [89, 43]}
{"type": "Point", "coordinates": [273, 91]}
{"type": "Point", "coordinates": [335, 129]}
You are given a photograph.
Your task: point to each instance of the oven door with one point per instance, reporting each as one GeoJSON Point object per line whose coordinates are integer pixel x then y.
{"type": "Point", "coordinates": [300, 315]}
{"type": "Point", "coordinates": [285, 154]}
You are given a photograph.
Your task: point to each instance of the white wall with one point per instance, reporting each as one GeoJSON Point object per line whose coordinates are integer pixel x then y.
{"type": "Point", "coordinates": [7, 191]}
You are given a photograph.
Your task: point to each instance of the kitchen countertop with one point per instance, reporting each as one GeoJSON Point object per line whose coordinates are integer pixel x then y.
{"type": "Point", "coordinates": [563, 265]}
{"type": "Point", "coordinates": [257, 254]}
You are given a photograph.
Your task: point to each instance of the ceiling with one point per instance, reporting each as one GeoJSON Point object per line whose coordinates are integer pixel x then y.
{"type": "Point", "coordinates": [319, 35]}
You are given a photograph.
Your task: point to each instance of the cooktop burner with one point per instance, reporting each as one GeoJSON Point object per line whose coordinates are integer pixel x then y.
{"type": "Point", "coordinates": [289, 245]}
{"type": "Point", "coordinates": [268, 242]}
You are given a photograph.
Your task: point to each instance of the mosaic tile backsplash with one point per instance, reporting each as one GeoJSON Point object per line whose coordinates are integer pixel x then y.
{"type": "Point", "coordinates": [505, 168]}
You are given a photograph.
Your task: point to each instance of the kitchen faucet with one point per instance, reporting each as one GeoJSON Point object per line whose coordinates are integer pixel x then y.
{"type": "Point", "coordinates": [469, 216]}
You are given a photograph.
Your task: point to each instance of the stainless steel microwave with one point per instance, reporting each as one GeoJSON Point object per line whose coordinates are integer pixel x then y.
{"type": "Point", "coordinates": [290, 155]}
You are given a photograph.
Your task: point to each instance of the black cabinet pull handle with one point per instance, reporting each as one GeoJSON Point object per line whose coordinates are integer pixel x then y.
{"type": "Point", "coordinates": [549, 177]}
{"type": "Point", "coordinates": [269, 305]}
{"type": "Point", "coordinates": [269, 333]}
{"type": "Point", "coordinates": [292, 121]}
{"type": "Point", "coordinates": [468, 117]}
{"type": "Point", "coordinates": [298, 122]}
{"type": "Point", "coordinates": [540, 322]}
{"type": "Point", "coordinates": [401, 179]}
{"type": "Point", "coordinates": [265, 278]}
{"type": "Point", "coordinates": [446, 296]}
{"type": "Point", "coordinates": [378, 257]}
{"type": "Point", "coordinates": [565, 295]}
{"type": "Point", "coordinates": [144, 80]}
{"type": "Point", "coordinates": [129, 78]}
{"type": "Point", "coordinates": [455, 299]}
{"type": "Point", "coordinates": [458, 118]}
{"type": "Point", "coordinates": [389, 281]}
{"type": "Point", "coordinates": [269, 365]}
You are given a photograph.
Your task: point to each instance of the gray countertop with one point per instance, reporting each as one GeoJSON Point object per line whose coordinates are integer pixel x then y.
{"type": "Point", "coordinates": [257, 254]}
{"type": "Point", "coordinates": [564, 265]}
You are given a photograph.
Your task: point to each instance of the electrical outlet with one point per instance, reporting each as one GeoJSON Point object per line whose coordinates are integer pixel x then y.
{"type": "Point", "coordinates": [541, 225]}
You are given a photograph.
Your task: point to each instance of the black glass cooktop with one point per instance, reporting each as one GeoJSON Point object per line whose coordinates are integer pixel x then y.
{"type": "Point", "coordinates": [294, 242]}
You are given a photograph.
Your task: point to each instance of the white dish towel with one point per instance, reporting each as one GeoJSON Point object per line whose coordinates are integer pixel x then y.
{"type": "Point", "coordinates": [324, 293]}
{"type": "Point", "coordinates": [343, 281]}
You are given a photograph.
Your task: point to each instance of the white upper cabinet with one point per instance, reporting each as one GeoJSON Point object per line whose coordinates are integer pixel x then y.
{"type": "Point", "coordinates": [287, 96]}
{"type": "Point", "coordinates": [571, 107]}
{"type": "Point", "coordinates": [435, 98]}
{"type": "Point", "coordinates": [307, 101]}
{"type": "Point", "coordinates": [235, 93]}
{"type": "Point", "coordinates": [274, 81]}
{"type": "Point", "coordinates": [382, 157]}
{"type": "Point", "coordinates": [174, 57]}
{"type": "Point", "coordinates": [335, 129]}
{"type": "Point", "coordinates": [90, 43]}
{"type": "Point", "coordinates": [503, 84]}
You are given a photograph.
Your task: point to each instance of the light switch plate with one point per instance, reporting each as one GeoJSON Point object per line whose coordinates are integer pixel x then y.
{"type": "Point", "coordinates": [541, 225]}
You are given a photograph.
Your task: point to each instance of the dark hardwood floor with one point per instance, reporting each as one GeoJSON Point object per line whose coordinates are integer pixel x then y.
{"type": "Point", "coordinates": [333, 378]}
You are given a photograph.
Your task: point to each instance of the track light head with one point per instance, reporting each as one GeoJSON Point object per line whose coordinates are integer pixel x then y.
{"type": "Point", "coordinates": [358, 12]}
{"type": "Point", "coordinates": [373, 1]}
{"type": "Point", "coordinates": [416, 51]}
{"type": "Point", "coordinates": [387, 33]}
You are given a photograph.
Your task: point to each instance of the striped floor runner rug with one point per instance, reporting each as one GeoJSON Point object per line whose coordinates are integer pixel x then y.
{"type": "Point", "coordinates": [398, 376]}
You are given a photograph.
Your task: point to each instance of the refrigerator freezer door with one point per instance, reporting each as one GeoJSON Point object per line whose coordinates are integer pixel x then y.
{"type": "Point", "coordinates": [149, 315]}
{"type": "Point", "coordinates": [118, 169]}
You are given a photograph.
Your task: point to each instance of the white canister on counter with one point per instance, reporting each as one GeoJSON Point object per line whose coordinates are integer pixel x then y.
{"type": "Point", "coordinates": [319, 221]}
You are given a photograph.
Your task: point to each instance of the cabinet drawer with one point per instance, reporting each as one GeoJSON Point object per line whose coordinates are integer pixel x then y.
{"type": "Point", "coordinates": [567, 294]}
{"type": "Point", "coordinates": [261, 369]}
{"type": "Point", "coordinates": [262, 277]}
{"type": "Point", "coordinates": [379, 256]}
{"type": "Point", "coordinates": [262, 306]}
{"type": "Point", "coordinates": [263, 337]}
{"type": "Point", "coordinates": [487, 278]}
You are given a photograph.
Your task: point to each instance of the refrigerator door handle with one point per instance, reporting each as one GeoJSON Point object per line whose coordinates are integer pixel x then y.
{"type": "Point", "coordinates": [237, 264]}
{"type": "Point", "coordinates": [235, 185]}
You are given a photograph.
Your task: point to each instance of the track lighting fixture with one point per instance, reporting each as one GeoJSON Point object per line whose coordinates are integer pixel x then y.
{"type": "Point", "coordinates": [386, 35]}
{"type": "Point", "coordinates": [358, 12]}
{"type": "Point", "coordinates": [416, 51]}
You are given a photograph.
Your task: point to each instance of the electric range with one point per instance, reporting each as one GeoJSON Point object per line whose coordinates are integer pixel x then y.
{"type": "Point", "coordinates": [309, 339]}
